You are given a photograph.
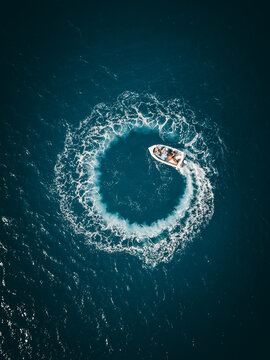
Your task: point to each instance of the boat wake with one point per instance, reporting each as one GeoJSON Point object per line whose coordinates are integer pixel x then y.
{"type": "Point", "coordinates": [78, 176]}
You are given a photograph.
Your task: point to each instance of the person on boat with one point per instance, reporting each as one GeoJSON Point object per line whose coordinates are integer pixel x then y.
{"type": "Point", "coordinates": [170, 158]}
{"type": "Point", "coordinates": [156, 151]}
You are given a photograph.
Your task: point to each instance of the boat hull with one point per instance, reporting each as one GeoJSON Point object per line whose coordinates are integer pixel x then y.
{"type": "Point", "coordinates": [179, 154]}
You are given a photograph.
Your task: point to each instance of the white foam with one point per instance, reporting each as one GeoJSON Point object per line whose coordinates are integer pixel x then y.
{"type": "Point", "coordinates": [139, 231]}
{"type": "Point", "coordinates": [77, 178]}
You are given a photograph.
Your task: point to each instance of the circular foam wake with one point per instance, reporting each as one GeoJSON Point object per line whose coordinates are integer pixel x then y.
{"type": "Point", "coordinates": [78, 177]}
{"type": "Point", "coordinates": [132, 186]}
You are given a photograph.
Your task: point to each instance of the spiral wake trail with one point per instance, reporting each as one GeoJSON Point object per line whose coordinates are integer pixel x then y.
{"type": "Point", "coordinates": [78, 177]}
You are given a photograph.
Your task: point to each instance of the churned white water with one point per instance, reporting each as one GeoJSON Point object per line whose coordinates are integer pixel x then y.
{"type": "Point", "coordinates": [78, 177]}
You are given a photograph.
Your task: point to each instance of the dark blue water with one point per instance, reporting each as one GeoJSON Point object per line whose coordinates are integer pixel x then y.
{"type": "Point", "coordinates": [143, 196]}
{"type": "Point", "coordinates": [63, 295]}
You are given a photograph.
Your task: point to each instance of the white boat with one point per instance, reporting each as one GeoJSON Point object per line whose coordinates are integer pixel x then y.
{"type": "Point", "coordinates": [167, 155]}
